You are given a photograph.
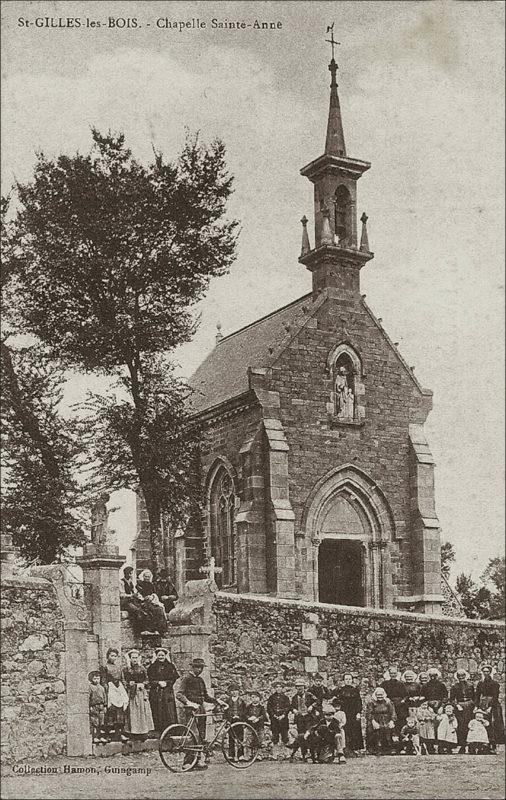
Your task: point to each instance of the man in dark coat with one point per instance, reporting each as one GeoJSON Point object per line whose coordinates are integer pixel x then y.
{"type": "Point", "coordinates": [193, 694]}
{"type": "Point", "coordinates": [462, 696]}
{"type": "Point", "coordinates": [304, 706]}
{"type": "Point", "coordinates": [434, 691]}
{"type": "Point", "coordinates": [396, 692]}
{"type": "Point", "coordinates": [318, 689]}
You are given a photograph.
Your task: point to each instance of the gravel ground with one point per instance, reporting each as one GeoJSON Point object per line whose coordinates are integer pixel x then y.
{"type": "Point", "coordinates": [387, 777]}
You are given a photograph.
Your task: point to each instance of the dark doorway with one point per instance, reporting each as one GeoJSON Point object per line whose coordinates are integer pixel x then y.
{"type": "Point", "coordinates": [340, 572]}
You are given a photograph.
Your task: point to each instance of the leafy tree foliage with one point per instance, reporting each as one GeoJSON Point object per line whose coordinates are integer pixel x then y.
{"type": "Point", "coordinates": [447, 558]}
{"type": "Point", "coordinates": [111, 258]}
{"type": "Point", "coordinates": [41, 499]}
{"type": "Point", "coordinates": [484, 600]}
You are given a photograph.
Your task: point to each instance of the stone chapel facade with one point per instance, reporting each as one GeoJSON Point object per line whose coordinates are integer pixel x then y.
{"type": "Point", "coordinates": [317, 476]}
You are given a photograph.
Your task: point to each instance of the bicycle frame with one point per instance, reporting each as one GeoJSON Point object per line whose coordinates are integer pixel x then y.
{"type": "Point", "coordinates": [204, 747]}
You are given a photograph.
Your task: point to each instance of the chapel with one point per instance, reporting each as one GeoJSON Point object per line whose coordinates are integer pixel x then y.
{"type": "Point", "coordinates": [317, 476]}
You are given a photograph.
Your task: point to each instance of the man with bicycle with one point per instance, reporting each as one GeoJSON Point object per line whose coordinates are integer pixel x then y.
{"type": "Point", "coordinates": [193, 694]}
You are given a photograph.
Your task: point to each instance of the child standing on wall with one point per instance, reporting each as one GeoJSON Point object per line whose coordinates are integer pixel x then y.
{"type": "Point", "coordinates": [97, 708]}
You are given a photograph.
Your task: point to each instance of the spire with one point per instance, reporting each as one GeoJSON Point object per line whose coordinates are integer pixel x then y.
{"type": "Point", "coordinates": [334, 143]}
{"type": "Point", "coordinates": [306, 247]}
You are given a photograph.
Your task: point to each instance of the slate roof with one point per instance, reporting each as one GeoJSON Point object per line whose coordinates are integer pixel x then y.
{"type": "Point", "coordinates": [224, 373]}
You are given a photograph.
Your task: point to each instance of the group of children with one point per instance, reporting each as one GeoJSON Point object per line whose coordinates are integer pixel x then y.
{"type": "Point", "coordinates": [132, 700]}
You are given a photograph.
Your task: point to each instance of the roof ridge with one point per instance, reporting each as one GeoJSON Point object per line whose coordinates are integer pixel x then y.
{"type": "Point", "coordinates": [262, 319]}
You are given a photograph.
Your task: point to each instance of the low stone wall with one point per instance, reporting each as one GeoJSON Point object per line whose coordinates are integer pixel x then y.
{"type": "Point", "coordinates": [33, 714]}
{"type": "Point", "coordinates": [260, 639]}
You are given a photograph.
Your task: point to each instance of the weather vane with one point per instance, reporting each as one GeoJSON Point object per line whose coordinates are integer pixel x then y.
{"type": "Point", "coordinates": [331, 41]}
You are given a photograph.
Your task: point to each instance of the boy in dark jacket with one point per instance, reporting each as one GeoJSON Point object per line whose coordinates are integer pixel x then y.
{"type": "Point", "coordinates": [278, 707]}
{"type": "Point", "coordinates": [329, 736]}
{"type": "Point", "coordinates": [235, 712]}
{"type": "Point", "coordinates": [256, 716]}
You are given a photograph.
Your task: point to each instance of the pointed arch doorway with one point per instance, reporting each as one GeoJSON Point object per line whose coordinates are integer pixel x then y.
{"type": "Point", "coordinates": [349, 525]}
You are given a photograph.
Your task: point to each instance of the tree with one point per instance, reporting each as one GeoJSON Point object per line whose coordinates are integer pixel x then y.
{"type": "Point", "coordinates": [40, 495]}
{"type": "Point", "coordinates": [112, 258]}
{"type": "Point", "coordinates": [447, 558]}
{"type": "Point", "coordinates": [494, 575]}
{"type": "Point", "coordinates": [475, 599]}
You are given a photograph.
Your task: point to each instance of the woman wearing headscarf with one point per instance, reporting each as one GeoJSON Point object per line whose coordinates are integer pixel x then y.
{"type": "Point", "coordinates": [157, 619]}
{"type": "Point", "coordinates": [162, 676]}
{"type": "Point", "coordinates": [487, 699]}
{"type": "Point", "coordinates": [413, 696]}
{"type": "Point", "coordinates": [140, 719]}
{"type": "Point", "coordinates": [380, 719]}
{"type": "Point", "coordinates": [462, 695]}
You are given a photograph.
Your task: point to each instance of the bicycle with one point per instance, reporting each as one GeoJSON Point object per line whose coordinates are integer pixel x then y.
{"type": "Point", "coordinates": [179, 748]}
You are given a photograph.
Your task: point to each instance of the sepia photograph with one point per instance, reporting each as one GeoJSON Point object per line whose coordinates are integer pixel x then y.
{"type": "Point", "coordinates": [252, 405]}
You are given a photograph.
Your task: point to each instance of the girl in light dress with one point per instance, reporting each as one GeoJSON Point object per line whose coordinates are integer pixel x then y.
{"type": "Point", "coordinates": [447, 730]}
{"type": "Point", "coordinates": [477, 736]}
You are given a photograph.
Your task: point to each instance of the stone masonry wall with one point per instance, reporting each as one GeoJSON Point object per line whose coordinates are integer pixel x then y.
{"type": "Point", "coordinates": [380, 446]}
{"type": "Point", "coordinates": [260, 639]}
{"type": "Point", "coordinates": [33, 715]}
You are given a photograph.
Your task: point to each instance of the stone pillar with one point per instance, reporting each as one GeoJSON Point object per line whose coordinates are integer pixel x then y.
{"type": "Point", "coordinates": [77, 628]}
{"type": "Point", "coordinates": [100, 565]}
{"type": "Point", "coordinates": [7, 555]}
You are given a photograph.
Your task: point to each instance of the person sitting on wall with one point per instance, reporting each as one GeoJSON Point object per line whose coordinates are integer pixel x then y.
{"type": "Point", "coordinates": [132, 602]}
{"type": "Point", "coordinates": [157, 619]}
{"type": "Point", "coordinates": [165, 590]}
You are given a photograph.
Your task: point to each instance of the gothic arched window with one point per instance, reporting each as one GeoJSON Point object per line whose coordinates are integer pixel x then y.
{"type": "Point", "coordinates": [222, 502]}
{"type": "Point", "coordinates": [341, 213]}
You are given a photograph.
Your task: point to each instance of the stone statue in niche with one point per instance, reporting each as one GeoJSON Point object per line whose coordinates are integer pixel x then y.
{"type": "Point", "coordinates": [345, 398]}
{"type": "Point", "coordinates": [100, 521]}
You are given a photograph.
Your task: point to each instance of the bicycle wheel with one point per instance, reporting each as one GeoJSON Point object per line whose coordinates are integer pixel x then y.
{"type": "Point", "coordinates": [178, 748]}
{"type": "Point", "coordinates": [240, 745]}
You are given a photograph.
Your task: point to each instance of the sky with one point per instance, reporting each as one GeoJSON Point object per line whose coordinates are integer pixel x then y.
{"type": "Point", "coordinates": [421, 91]}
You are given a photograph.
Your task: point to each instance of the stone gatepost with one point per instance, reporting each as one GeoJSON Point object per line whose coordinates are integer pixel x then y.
{"type": "Point", "coordinates": [100, 564]}
{"type": "Point", "coordinates": [77, 627]}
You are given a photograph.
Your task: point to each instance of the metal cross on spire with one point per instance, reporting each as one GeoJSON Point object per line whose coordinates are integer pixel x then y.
{"type": "Point", "coordinates": [331, 41]}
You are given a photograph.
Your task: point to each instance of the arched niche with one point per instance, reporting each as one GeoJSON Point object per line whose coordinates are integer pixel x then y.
{"type": "Point", "coordinates": [348, 390]}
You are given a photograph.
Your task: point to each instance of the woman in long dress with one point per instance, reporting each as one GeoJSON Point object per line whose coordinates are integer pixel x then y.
{"type": "Point", "coordinates": [487, 699]}
{"type": "Point", "coordinates": [140, 719]}
{"type": "Point", "coordinates": [117, 697]}
{"type": "Point", "coordinates": [162, 676]}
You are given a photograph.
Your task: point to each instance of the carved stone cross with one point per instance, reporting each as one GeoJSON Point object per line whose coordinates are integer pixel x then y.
{"type": "Point", "coordinates": [211, 569]}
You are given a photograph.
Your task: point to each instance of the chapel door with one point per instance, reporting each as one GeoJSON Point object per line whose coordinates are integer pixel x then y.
{"type": "Point", "coordinates": [340, 572]}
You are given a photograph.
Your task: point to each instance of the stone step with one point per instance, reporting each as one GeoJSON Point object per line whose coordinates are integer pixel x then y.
{"type": "Point", "coordinates": [124, 748]}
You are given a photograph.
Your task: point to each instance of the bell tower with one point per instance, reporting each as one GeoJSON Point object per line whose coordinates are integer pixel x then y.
{"type": "Point", "coordinates": [338, 254]}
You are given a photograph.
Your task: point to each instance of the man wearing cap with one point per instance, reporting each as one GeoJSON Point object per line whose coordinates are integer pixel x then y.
{"type": "Point", "coordinates": [304, 706]}
{"type": "Point", "coordinates": [319, 690]}
{"type": "Point", "coordinates": [462, 697]}
{"type": "Point", "coordinates": [330, 736]}
{"type": "Point", "coordinates": [236, 712]}
{"type": "Point", "coordinates": [193, 694]}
